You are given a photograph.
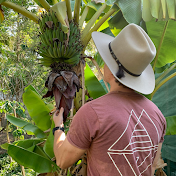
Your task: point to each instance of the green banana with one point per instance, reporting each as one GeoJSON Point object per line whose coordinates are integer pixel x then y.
{"type": "Point", "coordinates": [58, 33]}
{"type": "Point", "coordinates": [54, 33]}
{"type": "Point", "coordinates": [44, 53]}
{"type": "Point", "coordinates": [55, 20]}
{"type": "Point", "coordinates": [45, 36]}
{"type": "Point", "coordinates": [46, 18]}
{"type": "Point", "coordinates": [50, 51]}
{"type": "Point", "coordinates": [58, 49]}
{"type": "Point", "coordinates": [62, 50]}
{"type": "Point", "coordinates": [61, 36]}
{"type": "Point", "coordinates": [73, 60]}
{"type": "Point", "coordinates": [55, 50]}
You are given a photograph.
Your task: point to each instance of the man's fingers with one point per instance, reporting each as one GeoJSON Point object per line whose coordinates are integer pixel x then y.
{"type": "Point", "coordinates": [61, 110]}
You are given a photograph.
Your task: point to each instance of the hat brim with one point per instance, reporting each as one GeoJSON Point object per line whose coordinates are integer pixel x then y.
{"type": "Point", "coordinates": [145, 83]}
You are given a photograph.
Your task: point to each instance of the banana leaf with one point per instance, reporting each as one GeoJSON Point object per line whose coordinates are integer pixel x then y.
{"type": "Point", "coordinates": [39, 150]}
{"type": "Point", "coordinates": [94, 87]}
{"type": "Point", "coordinates": [27, 143]}
{"type": "Point", "coordinates": [26, 126]}
{"type": "Point", "coordinates": [171, 125]}
{"type": "Point", "coordinates": [169, 147]}
{"type": "Point", "coordinates": [131, 10]}
{"type": "Point", "coordinates": [117, 23]}
{"type": "Point", "coordinates": [165, 98]}
{"type": "Point", "coordinates": [48, 147]}
{"type": "Point", "coordinates": [163, 35]}
{"type": "Point", "coordinates": [37, 109]}
{"type": "Point", "coordinates": [31, 160]}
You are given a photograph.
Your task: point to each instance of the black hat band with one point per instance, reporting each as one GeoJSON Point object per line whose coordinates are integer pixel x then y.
{"type": "Point", "coordinates": [120, 72]}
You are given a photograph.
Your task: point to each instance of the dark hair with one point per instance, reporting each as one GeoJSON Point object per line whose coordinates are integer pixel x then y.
{"type": "Point", "coordinates": [120, 84]}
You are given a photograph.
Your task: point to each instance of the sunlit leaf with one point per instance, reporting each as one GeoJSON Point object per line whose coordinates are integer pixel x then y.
{"type": "Point", "coordinates": [37, 109]}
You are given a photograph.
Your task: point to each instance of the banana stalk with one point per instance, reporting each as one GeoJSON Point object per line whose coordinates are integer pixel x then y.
{"type": "Point", "coordinates": [45, 4]}
{"type": "Point", "coordinates": [163, 3]}
{"type": "Point", "coordinates": [61, 14]}
{"type": "Point", "coordinates": [155, 8]}
{"type": "Point", "coordinates": [93, 19]}
{"type": "Point", "coordinates": [1, 15]}
{"type": "Point", "coordinates": [146, 13]}
{"type": "Point", "coordinates": [87, 38]}
{"type": "Point", "coordinates": [76, 11]}
{"type": "Point", "coordinates": [21, 10]}
{"type": "Point", "coordinates": [83, 16]}
{"type": "Point", "coordinates": [69, 11]}
{"type": "Point", "coordinates": [171, 8]}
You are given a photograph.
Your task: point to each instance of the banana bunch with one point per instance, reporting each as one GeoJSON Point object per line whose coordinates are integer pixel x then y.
{"type": "Point", "coordinates": [159, 9]}
{"type": "Point", "coordinates": [55, 45]}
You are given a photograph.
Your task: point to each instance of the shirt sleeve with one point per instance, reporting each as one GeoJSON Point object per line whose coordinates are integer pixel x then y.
{"type": "Point", "coordinates": [84, 127]}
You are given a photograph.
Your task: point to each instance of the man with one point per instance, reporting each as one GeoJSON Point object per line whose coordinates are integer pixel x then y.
{"type": "Point", "coordinates": [122, 131]}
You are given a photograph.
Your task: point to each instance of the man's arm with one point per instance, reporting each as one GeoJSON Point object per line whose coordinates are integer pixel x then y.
{"type": "Point", "coordinates": [157, 157]}
{"type": "Point", "coordinates": [66, 154]}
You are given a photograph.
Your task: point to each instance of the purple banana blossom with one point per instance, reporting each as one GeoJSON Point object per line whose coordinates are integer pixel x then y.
{"type": "Point", "coordinates": [63, 87]}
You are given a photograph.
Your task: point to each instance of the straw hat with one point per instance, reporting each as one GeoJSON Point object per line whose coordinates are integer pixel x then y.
{"type": "Point", "coordinates": [128, 56]}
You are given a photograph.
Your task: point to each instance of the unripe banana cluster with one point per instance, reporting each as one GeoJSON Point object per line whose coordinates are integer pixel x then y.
{"type": "Point", "coordinates": [55, 45]}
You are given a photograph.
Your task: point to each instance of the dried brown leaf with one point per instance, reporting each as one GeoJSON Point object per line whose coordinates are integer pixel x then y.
{"type": "Point", "coordinates": [49, 24]}
{"type": "Point", "coordinates": [57, 96]}
{"type": "Point", "coordinates": [68, 76]}
{"type": "Point", "coordinates": [50, 80]}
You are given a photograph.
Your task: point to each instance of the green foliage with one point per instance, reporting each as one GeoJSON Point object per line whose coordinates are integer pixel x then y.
{"type": "Point", "coordinates": [162, 34]}
{"type": "Point", "coordinates": [131, 10]}
{"type": "Point", "coordinates": [37, 109]}
{"type": "Point", "coordinates": [171, 124]}
{"type": "Point", "coordinates": [92, 84]}
{"type": "Point", "coordinates": [29, 127]}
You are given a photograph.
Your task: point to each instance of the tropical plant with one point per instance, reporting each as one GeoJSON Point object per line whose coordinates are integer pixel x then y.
{"type": "Point", "coordinates": [63, 41]}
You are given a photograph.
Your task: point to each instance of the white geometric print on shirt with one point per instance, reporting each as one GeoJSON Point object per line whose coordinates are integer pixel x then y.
{"type": "Point", "coordinates": [135, 145]}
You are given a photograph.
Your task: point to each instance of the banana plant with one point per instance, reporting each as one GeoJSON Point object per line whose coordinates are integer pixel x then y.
{"type": "Point", "coordinates": [63, 42]}
{"type": "Point", "coordinates": [64, 32]}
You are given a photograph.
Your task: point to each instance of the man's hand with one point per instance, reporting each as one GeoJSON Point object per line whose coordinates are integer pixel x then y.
{"type": "Point", "coordinates": [58, 117]}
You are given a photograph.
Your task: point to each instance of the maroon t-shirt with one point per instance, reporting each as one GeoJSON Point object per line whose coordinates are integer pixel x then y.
{"type": "Point", "coordinates": [121, 132]}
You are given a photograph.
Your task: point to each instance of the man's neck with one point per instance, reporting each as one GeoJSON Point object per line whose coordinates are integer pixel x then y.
{"type": "Point", "coordinates": [119, 88]}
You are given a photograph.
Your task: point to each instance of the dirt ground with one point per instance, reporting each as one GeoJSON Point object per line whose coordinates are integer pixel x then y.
{"type": "Point", "coordinates": [3, 139]}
